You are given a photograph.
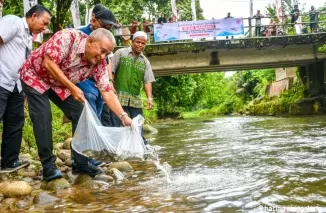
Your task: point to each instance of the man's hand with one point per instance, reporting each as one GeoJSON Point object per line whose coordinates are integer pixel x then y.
{"type": "Point", "coordinates": [77, 94]}
{"type": "Point", "coordinates": [149, 103]}
{"type": "Point", "coordinates": [126, 120]}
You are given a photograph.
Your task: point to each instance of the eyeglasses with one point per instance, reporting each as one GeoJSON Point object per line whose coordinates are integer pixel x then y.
{"type": "Point", "coordinates": [105, 26]}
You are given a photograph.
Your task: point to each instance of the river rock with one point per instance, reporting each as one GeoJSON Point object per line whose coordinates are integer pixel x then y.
{"type": "Point", "coordinates": [64, 168]}
{"type": "Point", "coordinates": [88, 182]}
{"type": "Point", "coordinates": [64, 155]}
{"type": "Point", "coordinates": [56, 184]}
{"type": "Point", "coordinates": [9, 203]}
{"type": "Point", "coordinates": [15, 188]}
{"type": "Point", "coordinates": [34, 153]}
{"type": "Point", "coordinates": [21, 204]}
{"type": "Point", "coordinates": [116, 174]}
{"type": "Point", "coordinates": [25, 156]}
{"type": "Point", "coordinates": [122, 166]}
{"type": "Point", "coordinates": [149, 129]}
{"type": "Point", "coordinates": [27, 173]}
{"type": "Point", "coordinates": [68, 162]}
{"type": "Point", "coordinates": [67, 144]}
{"type": "Point", "coordinates": [28, 180]}
{"type": "Point", "coordinates": [44, 198]}
{"type": "Point", "coordinates": [105, 178]}
{"type": "Point", "coordinates": [71, 177]}
{"type": "Point", "coordinates": [59, 162]}
{"type": "Point", "coordinates": [59, 146]}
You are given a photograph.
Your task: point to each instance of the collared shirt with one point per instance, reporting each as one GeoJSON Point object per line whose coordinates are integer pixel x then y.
{"type": "Point", "coordinates": [86, 29]}
{"type": "Point", "coordinates": [312, 16]}
{"type": "Point", "coordinates": [258, 19]}
{"type": "Point", "coordinates": [67, 49]}
{"type": "Point", "coordinates": [17, 39]}
{"type": "Point", "coordinates": [127, 100]}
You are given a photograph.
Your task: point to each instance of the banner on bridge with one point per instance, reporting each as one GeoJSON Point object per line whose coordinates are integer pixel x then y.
{"type": "Point", "coordinates": [198, 29]}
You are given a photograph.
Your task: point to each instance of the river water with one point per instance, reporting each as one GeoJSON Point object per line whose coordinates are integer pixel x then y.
{"type": "Point", "coordinates": [225, 164]}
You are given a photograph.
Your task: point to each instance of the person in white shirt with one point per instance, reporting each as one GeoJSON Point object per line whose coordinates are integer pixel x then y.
{"type": "Point", "coordinates": [118, 33]}
{"type": "Point", "coordinates": [15, 46]}
{"type": "Point", "coordinates": [258, 17]}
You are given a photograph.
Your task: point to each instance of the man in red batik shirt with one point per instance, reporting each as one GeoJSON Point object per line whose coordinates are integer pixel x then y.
{"type": "Point", "coordinates": [51, 72]}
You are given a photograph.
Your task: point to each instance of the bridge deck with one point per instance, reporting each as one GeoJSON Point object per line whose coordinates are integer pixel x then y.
{"type": "Point", "coordinates": [235, 54]}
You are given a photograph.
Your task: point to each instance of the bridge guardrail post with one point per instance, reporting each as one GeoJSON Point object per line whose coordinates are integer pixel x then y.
{"type": "Point", "coordinates": [250, 27]}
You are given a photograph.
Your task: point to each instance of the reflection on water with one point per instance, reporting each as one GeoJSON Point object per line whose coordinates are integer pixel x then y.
{"type": "Point", "coordinates": [233, 164]}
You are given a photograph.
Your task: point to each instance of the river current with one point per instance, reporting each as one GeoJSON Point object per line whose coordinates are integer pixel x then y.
{"type": "Point", "coordinates": [224, 164]}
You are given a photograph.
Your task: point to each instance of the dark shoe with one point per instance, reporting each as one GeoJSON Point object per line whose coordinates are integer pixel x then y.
{"type": "Point", "coordinates": [88, 169]}
{"type": "Point", "coordinates": [96, 162]}
{"type": "Point", "coordinates": [51, 172]}
{"type": "Point", "coordinates": [15, 166]}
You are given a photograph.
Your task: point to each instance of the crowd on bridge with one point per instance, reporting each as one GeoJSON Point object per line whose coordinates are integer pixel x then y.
{"type": "Point", "coordinates": [280, 25]}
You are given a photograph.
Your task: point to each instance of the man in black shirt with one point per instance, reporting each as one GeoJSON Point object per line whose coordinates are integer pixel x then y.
{"type": "Point", "coordinates": [162, 19]}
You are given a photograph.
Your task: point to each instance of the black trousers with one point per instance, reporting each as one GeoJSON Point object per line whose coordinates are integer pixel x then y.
{"type": "Point", "coordinates": [132, 112]}
{"type": "Point", "coordinates": [257, 31]}
{"type": "Point", "coordinates": [41, 116]}
{"type": "Point", "coordinates": [106, 117]}
{"type": "Point", "coordinates": [12, 115]}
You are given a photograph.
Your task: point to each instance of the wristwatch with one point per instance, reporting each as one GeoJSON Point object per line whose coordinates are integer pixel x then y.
{"type": "Point", "coordinates": [122, 114]}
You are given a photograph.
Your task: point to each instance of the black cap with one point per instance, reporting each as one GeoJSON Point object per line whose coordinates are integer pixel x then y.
{"type": "Point", "coordinates": [104, 14]}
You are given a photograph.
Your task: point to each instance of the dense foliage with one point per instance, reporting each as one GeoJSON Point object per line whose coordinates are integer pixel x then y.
{"type": "Point", "coordinates": [125, 10]}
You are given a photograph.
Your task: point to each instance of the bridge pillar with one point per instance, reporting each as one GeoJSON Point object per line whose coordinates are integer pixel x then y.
{"type": "Point", "coordinates": [313, 75]}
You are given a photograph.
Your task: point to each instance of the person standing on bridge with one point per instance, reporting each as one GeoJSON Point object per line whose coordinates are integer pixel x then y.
{"type": "Point", "coordinates": [227, 17]}
{"type": "Point", "coordinates": [295, 13]}
{"type": "Point", "coordinates": [258, 17]}
{"type": "Point", "coordinates": [131, 70]}
{"type": "Point", "coordinates": [313, 19]}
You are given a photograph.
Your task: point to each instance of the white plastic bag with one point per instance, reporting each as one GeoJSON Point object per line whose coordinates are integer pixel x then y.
{"type": "Point", "coordinates": [91, 138]}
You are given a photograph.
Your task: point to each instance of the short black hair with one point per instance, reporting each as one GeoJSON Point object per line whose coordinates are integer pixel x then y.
{"type": "Point", "coordinates": [38, 9]}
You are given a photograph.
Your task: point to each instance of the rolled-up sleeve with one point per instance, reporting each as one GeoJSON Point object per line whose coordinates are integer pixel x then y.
{"type": "Point", "coordinates": [101, 77]}
{"type": "Point", "coordinates": [115, 60]}
{"type": "Point", "coordinates": [149, 75]}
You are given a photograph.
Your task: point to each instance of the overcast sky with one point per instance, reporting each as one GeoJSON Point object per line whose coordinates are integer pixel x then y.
{"type": "Point", "coordinates": [240, 8]}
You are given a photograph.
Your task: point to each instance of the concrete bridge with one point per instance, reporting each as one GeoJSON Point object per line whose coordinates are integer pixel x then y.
{"type": "Point", "coordinates": [235, 54]}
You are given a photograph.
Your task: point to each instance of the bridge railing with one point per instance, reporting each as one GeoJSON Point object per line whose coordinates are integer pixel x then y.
{"type": "Point", "coordinates": [249, 24]}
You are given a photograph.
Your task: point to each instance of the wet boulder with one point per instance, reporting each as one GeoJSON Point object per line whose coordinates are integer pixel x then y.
{"type": "Point", "coordinates": [15, 188]}
{"type": "Point", "coordinates": [9, 204]}
{"type": "Point", "coordinates": [149, 129]}
{"type": "Point", "coordinates": [67, 144]}
{"type": "Point", "coordinates": [122, 166]}
{"type": "Point", "coordinates": [56, 184]}
{"type": "Point", "coordinates": [86, 181]}
{"type": "Point", "coordinates": [44, 198]}
{"type": "Point", "coordinates": [105, 178]}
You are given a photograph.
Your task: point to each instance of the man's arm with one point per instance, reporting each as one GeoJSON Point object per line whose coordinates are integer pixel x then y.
{"type": "Point", "coordinates": [56, 73]}
{"type": "Point", "coordinates": [113, 103]}
{"type": "Point", "coordinates": [148, 91]}
{"type": "Point", "coordinates": [111, 76]}
{"type": "Point", "coordinates": [8, 33]}
{"type": "Point", "coordinates": [148, 79]}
